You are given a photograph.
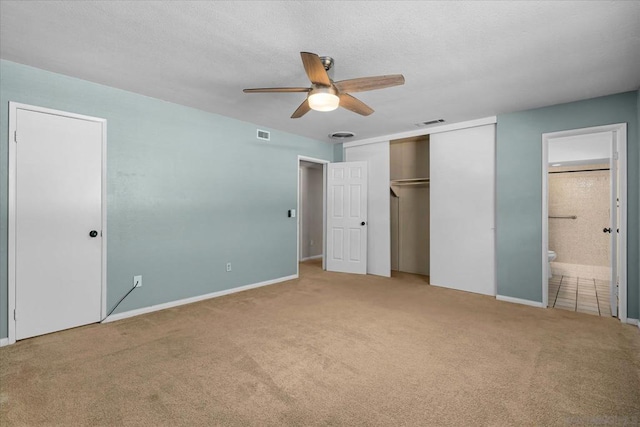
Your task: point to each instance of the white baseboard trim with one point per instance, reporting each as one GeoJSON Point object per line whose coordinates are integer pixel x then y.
{"type": "Point", "coordinates": [309, 258]}
{"type": "Point", "coordinates": [520, 301]}
{"type": "Point", "coordinates": [157, 307]}
{"type": "Point", "coordinates": [4, 341]}
{"type": "Point", "coordinates": [633, 322]}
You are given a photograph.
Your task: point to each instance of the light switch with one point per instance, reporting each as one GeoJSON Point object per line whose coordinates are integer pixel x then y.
{"type": "Point", "coordinates": [292, 213]}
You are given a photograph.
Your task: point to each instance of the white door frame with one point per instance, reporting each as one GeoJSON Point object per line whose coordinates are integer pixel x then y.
{"type": "Point", "coordinates": [619, 131]}
{"type": "Point", "coordinates": [13, 115]}
{"type": "Point", "coordinates": [324, 164]}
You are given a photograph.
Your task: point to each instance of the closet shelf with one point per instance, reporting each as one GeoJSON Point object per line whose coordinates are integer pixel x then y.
{"type": "Point", "coordinates": [410, 181]}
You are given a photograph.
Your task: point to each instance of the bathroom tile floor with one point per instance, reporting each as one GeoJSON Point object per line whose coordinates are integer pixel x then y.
{"type": "Point", "coordinates": [589, 296]}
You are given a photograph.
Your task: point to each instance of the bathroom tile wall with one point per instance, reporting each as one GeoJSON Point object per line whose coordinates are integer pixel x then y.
{"type": "Point", "coordinates": [585, 194]}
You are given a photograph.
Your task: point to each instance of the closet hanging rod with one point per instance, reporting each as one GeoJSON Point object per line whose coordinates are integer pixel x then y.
{"type": "Point", "coordinates": [410, 181]}
{"type": "Point", "coordinates": [564, 216]}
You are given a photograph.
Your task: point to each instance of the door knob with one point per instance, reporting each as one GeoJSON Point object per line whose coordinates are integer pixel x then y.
{"type": "Point", "coordinates": [606, 230]}
{"type": "Point", "coordinates": [362, 223]}
{"type": "Point", "coordinates": [93, 233]}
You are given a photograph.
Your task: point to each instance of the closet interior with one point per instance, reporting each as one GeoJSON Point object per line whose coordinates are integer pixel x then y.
{"type": "Point", "coordinates": [409, 192]}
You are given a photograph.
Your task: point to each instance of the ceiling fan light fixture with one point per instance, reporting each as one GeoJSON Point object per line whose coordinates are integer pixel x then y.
{"type": "Point", "coordinates": [323, 99]}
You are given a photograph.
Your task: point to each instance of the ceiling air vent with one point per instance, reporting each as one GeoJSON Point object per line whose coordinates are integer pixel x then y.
{"type": "Point", "coordinates": [264, 135]}
{"type": "Point", "coordinates": [430, 122]}
{"type": "Point", "coordinates": [342, 135]}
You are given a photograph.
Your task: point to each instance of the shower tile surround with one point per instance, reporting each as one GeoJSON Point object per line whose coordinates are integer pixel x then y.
{"type": "Point", "coordinates": [590, 296]}
{"type": "Point", "coordinates": [581, 247]}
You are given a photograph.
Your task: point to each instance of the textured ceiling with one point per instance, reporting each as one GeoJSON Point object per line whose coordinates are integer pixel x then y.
{"type": "Point", "coordinates": [461, 60]}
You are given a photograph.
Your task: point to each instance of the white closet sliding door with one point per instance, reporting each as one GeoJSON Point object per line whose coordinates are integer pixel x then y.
{"type": "Point", "coordinates": [462, 201]}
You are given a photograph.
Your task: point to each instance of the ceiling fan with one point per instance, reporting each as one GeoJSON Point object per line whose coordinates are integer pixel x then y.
{"type": "Point", "coordinates": [327, 95]}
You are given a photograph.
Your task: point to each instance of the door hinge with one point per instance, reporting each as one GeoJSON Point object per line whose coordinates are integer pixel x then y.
{"type": "Point", "coordinates": [15, 316]}
{"type": "Point", "coordinates": [15, 136]}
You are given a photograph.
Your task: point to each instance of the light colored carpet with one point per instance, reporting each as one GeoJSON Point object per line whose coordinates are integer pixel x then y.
{"type": "Point", "coordinates": [330, 349]}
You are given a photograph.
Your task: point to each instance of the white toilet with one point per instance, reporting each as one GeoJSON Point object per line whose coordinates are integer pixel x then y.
{"type": "Point", "coordinates": [552, 256]}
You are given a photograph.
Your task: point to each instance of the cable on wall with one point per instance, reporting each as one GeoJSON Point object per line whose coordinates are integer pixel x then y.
{"type": "Point", "coordinates": [121, 299]}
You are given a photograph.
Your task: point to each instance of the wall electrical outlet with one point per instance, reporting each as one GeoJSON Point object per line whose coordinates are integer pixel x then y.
{"type": "Point", "coordinates": [137, 281]}
{"type": "Point", "coordinates": [228, 266]}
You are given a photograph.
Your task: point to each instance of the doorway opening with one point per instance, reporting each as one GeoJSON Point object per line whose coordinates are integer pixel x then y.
{"type": "Point", "coordinates": [311, 218]}
{"type": "Point", "coordinates": [584, 220]}
{"type": "Point", "coordinates": [409, 202]}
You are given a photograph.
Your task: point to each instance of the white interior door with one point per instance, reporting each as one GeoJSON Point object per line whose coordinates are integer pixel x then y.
{"type": "Point", "coordinates": [378, 204]}
{"type": "Point", "coordinates": [613, 213]}
{"type": "Point", "coordinates": [462, 204]}
{"type": "Point", "coordinates": [347, 217]}
{"type": "Point", "coordinates": [58, 203]}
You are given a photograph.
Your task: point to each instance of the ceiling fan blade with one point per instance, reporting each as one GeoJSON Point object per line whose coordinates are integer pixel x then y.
{"type": "Point", "coordinates": [314, 68]}
{"type": "Point", "coordinates": [350, 103]}
{"type": "Point", "coordinates": [363, 84]}
{"type": "Point", "coordinates": [277, 89]}
{"type": "Point", "coordinates": [302, 110]}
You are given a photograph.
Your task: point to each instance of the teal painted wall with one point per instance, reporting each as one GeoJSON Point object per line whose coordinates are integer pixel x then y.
{"type": "Point", "coordinates": [519, 188]}
{"type": "Point", "coordinates": [338, 153]}
{"type": "Point", "coordinates": [188, 191]}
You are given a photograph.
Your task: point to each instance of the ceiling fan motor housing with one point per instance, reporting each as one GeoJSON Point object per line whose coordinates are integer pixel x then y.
{"type": "Point", "coordinates": [328, 64]}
